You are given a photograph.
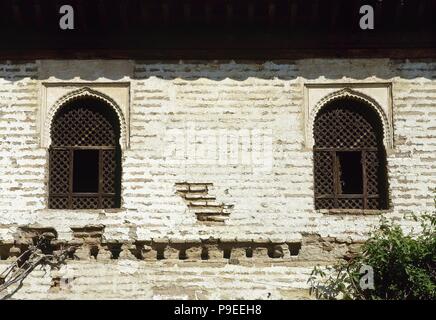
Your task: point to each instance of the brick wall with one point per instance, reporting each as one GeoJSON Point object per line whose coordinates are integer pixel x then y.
{"type": "Point", "coordinates": [177, 109]}
{"type": "Point", "coordinates": [22, 163]}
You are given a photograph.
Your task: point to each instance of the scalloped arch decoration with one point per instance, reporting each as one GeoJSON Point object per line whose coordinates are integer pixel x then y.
{"type": "Point", "coordinates": [355, 95]}
{"type": "Point", "coordinates": [81, 93]}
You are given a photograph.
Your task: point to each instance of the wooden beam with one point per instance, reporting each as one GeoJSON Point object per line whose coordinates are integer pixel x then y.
{"type": "Point", "coordinates": [37, 14]}
{"type": "Point", "coordinates": [271, 13]}
{"type": "Point", "coordinates": [250, 12]}
{"type": "Point", "coordinates": [103, 16]}
{"type": "Point", "coordinates": [398, 12]}
{"type": "Point", "coordinates": [17, 14]}
{"type": "Point", "coordinates": [134, 14]}
{"type": "Point", "coordinates": [378, 15]}
{"type": "Point", "coordinates": [80, 13]}
{"type": "Point", "coordinates": [334, 14]}
{"type": "Point", "coordinates": [165, 13]}
{"type": "Point", "coordinates": [422, 6]}
{"type": "Point", "coordinates": [218, 54]}
{"type": "Point", "coordinates": [293, 13]}
{"type": "Point", "coordinates": [4, 16]}
{"type": "Point", "coordinates": [144, 12]}
{"type": "Point", "coordinates": [208, 13]}
{"type": "Point", "coordinates": [123, 15]}
{"type": "Point", "coordinates": [187, 12]}
{"type": "Point", "coordinates": [50, 14]}
{"type": "Point", "coordinates": [229, 13]}
{"type": "Point", "coordinates": [355, 14]}
{"type": "Point", "coordinates": [315, 11]}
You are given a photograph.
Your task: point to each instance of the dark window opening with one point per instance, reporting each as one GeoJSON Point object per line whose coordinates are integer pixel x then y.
{"type": "Point", "coordinates": [350, 172]}
{"type": "Point", "coordinates": [85, 171]}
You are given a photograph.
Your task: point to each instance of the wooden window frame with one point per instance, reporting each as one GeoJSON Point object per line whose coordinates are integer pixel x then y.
{"type": "Point", "coordinates": [85, 124]}
{"type": "Point", "coordinates": [336, 195]}
{"type": "Point", "coordinates": [70, 194]}
{"type": "Point", "coordinates": [348, 125]}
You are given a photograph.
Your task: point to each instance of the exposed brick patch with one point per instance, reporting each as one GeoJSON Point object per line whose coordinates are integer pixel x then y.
{"type": "Point", "coordinates": [197, 197]}
{"type": "Point", "coordinates": [87, 240]}
{"type": "Point", "coordinates": [327, 249]}
{"type": "Point", "coordinates": [27, 235]}
{"type": "Point", "coordinates": [88, 233]}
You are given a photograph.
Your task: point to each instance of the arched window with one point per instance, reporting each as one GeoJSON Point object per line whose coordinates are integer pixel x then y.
{"type": "Point", "coordinates": [85, 156]}
{"type": "Point", "coordinates": [349, 157]}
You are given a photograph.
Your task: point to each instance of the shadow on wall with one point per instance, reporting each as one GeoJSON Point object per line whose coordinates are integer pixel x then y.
{"type": "Point", "coordinates": [310, 69]}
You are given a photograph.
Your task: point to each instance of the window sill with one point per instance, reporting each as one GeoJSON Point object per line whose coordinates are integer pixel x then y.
{"type": "Point", "coordinates": [359, 212]}
{"type": "Point", "coordinates": [117, 210]}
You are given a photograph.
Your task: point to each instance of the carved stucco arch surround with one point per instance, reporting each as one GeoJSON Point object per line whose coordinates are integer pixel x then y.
{"type": "Point", "coordinates": [350, 94]}
{"type": "Point", "coordinates": [85, 92]}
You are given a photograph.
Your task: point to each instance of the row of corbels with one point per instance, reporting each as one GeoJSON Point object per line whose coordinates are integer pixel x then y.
{"type": "Point", "coordinates": [156, 250]}
{"type": "Point", "coordinates": [88, 242]}
{"type": "Point", "coordinates": [187, 251]}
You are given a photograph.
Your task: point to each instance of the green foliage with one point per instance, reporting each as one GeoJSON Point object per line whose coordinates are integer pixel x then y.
{"type": "Point", "coordinates": [404, 266]}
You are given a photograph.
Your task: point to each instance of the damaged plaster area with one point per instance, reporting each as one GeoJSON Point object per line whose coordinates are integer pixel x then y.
{"type": "Point", "coordinates": [203, 204]}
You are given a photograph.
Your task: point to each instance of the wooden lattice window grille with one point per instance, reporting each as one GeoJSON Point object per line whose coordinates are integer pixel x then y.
{"type": "Point", "coordinates": [349, 157]}
{"type": "Point", "coordinates": [85, 157]}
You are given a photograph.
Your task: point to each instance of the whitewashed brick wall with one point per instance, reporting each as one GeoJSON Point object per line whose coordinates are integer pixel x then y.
{"type": "Point", "coordinates": [166, 98]}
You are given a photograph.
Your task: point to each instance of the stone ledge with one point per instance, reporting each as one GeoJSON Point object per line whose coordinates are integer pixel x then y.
{"type": "Point", "coordinates": [353, 211]}
{"type": "Point", "coordinates": [89, 243]}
